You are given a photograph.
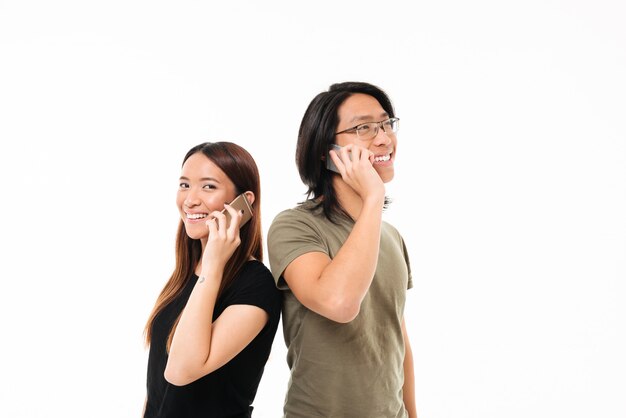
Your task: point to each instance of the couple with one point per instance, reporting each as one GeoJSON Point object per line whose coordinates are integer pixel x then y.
{"type": "Point", "coordinates": [338, 272]}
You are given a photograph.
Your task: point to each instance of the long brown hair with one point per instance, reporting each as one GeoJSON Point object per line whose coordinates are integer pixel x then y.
{"type": "Point", "coordinates": [241, 169]}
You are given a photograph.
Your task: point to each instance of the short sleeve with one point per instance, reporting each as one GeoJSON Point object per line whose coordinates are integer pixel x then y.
{"type": "Point", "coordinates": [291, 234]}
{"type": "Point", "coordinates": [408, 263]}
{"type": "Point", "coordinates": [253, 286]}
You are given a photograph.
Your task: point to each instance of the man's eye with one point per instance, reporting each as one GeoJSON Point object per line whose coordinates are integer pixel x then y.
{"type": "Point", "coordinates": [365, 128]}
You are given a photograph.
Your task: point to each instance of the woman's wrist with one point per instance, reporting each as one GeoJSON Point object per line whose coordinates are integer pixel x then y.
{"type": "Point", "coordinates": [211, 273]}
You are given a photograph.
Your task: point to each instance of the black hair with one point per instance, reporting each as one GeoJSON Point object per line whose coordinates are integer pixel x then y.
{"type": "Point", "coordinates": [317, 134]}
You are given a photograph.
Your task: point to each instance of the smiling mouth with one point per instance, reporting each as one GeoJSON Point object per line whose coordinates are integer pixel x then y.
{"type": "Point", "coordinates": [382, 158]}
{"type": "Point", "coordinates": [195, 216]}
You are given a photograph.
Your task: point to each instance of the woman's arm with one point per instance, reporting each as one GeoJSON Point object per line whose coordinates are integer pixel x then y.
{"type": "Point", "coordinates": [200, 346]}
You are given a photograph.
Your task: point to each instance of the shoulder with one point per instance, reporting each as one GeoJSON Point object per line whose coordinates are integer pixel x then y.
{"type": "Point", "coordinates": [300, 218]}
{"type": "Point", "coordinates": [390, 237]}
{"type": "Point", "coordinates": [303, 211]}
{"type": "Point", "coordinates": [254, 285]}
{"type": "Point", "coordinates": [391, 230]}
{"type": "Point", "coordinates": [254, 273]}
{"type": "Point", "coordinates": [392, 243]}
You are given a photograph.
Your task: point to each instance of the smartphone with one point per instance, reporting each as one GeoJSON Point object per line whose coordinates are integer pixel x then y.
{"type": "Point", "coordinates": [330, 165]}
{"type": "Point", "coordinates": [240, 203]}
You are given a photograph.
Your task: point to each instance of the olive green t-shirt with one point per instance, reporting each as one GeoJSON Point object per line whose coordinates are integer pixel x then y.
{"type": "Point", "coordinates": [342, 370]}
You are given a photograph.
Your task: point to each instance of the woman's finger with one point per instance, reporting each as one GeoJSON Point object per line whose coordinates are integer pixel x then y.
{"type": "Point", "coordinates": [235, 219]}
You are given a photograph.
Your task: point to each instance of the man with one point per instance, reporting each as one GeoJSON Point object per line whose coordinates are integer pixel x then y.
{"type": "Point", "coordinates": [343, 270]}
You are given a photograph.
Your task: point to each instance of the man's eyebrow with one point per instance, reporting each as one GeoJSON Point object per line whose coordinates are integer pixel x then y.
{"type": "Point", "coordinates": [367, 117]}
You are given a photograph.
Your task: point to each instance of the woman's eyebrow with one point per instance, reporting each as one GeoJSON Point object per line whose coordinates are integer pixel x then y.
{"type": "Point", "coordinates": [201, 179]}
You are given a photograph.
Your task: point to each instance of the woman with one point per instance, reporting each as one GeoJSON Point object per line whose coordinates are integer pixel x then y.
{"type": "Point", "coordinates": [212, 327]}
{"type": "Point", "coordinates": [345, 271]}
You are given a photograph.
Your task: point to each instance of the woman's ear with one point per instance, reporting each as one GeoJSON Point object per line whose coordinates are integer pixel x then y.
{"type": "Point", "coordinates": [250, 196]}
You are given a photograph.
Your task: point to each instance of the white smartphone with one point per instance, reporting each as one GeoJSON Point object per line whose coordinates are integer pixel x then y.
{"type": "Point", "coordinates": [240, 203]}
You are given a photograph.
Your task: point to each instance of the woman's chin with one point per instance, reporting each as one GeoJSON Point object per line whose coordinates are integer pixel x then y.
{"type": "Point", "coordinates": [195, 233]}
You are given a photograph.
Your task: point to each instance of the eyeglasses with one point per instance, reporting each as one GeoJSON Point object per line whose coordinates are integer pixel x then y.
{"type": "Point", "coordinates": [369, 130]}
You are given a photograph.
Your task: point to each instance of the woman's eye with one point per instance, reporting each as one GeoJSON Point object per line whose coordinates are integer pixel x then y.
{"type": "Point", "coordinates": [208, 186]}
{"type": "Point", "coordinates": [183, 185]}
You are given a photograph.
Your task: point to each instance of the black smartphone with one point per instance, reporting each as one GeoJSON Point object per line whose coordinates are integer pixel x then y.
{"type": "Point", "coordinates": [240, 203]}
{"type": "Point", "coordinates": [330, 165]}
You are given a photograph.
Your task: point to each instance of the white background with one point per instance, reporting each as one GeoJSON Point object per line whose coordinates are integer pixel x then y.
{"type": "Point", "coordinates": [510, 185]}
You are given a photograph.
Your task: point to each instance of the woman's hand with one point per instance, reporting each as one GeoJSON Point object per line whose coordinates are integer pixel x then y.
{"type": "Point", "coordinates": [355, 166]}
{"type": "Point", "coordinates": [223, 239]}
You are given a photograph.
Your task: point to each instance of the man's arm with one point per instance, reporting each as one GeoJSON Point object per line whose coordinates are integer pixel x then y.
{"type": "Point", "coordinates": [335, 288]}
{"type": "Point", "coordinates": [408, 389]}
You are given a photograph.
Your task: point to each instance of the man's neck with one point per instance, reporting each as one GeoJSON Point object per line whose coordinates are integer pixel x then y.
{"type": "Point", "coordinates": [349, 200]}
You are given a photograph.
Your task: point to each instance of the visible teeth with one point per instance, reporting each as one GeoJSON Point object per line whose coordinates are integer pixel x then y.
{"type": "Point", "coordinates": [196, 215]}
{"type": "Point", "coordinates": [382, 158]}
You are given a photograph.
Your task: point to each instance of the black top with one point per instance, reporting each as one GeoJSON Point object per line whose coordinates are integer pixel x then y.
{"type": "Point", "coordinates": [229, 390]}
